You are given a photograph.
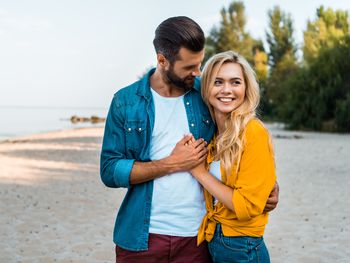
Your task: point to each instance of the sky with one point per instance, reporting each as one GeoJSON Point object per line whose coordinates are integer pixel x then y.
{"type": "Point", "coordinates": [78, 53]}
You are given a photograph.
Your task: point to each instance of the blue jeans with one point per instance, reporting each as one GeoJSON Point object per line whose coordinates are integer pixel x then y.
{"type": "Point", "coordinates": [237, 249]}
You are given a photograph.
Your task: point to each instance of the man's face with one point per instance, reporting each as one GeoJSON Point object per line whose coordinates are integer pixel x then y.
{"type": "Point", "coordinates": [183, 71]}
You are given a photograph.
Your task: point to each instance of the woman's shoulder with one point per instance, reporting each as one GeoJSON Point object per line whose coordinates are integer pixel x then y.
{"type": "Point", "coordinates": [256, 127]}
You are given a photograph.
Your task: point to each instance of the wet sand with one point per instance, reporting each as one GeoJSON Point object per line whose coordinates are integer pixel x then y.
{"type": "Point", "coordinates": [54, 208]}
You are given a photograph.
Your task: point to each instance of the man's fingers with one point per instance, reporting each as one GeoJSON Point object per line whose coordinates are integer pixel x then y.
{"type": "Point", "coordinates": [269, 208]}
{"type": "Point", "coordinates": [276, 188]}
{"type": "Point", "coordinates": [200, 148]}
{"type": "Point", "coordinates": [203, 152]}
{"type": "Point", "coordinates": [202, 159]}
{"type": "Point", "coordinates": [198, 143]}
{"type": "Point", "coordinates": [273, 200]}
{"type": "Point", "coordinates": [186, 139]}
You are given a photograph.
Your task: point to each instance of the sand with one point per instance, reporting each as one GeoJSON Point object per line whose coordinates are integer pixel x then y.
{"type": "Point", "coordinates": [54, 208]}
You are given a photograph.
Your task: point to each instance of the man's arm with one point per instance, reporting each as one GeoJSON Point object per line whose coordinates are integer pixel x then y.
{"type": "Point", "coordinates": [117, 171]}
{"type": "Point", "coordinates": [272, 201]}
{"type": "Point", "coordinates": [114, 167]}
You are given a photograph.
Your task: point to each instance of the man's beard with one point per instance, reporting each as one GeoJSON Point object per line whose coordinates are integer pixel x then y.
{"type": "Point", "coordinates": [183, 83]}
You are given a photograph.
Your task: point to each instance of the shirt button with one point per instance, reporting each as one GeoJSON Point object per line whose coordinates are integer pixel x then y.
{"type": "Point", "coordinates": [140, 129]}
{"type": "Point", "coordinates": [207, 121]}
{"type": "Point", "coordinates": [187, 103]}
{"type": "Point", "coordinates": [192, 124]}
{"type": "Point", "coordinates": [129, 129]}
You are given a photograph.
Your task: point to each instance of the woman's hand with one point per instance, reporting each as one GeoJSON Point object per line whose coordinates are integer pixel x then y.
{"type": "Point", "coordinates": [199, 169]}
{"type": "Point", "coordinates": [188, 153]}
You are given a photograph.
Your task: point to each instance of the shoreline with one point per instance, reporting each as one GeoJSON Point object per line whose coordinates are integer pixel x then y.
{"type": "Point", "coordinates": [10, 138]}
{"type": "Point", "coordinates": [275, 128]}
{"type": "Point", "coordinates": [24, 121]}
{"type": "Point", "coordinates": [57, 209]}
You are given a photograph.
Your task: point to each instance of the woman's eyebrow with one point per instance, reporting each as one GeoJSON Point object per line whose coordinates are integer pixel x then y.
{"type": "Point", "coordinates": [234, 78]}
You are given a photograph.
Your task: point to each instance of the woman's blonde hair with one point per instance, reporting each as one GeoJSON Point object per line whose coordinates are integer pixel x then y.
{"type": "Point", "coordinates": [229, 145]}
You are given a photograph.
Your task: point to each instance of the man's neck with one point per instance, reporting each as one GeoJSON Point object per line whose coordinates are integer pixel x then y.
{"type": "Point", "coordinates": [164, 89]}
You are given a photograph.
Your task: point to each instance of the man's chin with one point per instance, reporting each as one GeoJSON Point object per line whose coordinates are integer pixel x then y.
{"type": "Point", "coordinates": [189, 84]}
{"type": "Point", "coordinates": [185, 85]}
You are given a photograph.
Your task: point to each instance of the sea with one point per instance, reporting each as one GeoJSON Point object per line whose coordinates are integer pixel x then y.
{"type": "Point", "coordinates": [20, 121]}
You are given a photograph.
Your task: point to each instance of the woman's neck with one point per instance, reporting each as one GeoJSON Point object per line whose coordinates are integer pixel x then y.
{"type": "Point", "coordinates": [220, 122]}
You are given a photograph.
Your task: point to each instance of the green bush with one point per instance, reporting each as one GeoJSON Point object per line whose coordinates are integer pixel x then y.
{"type": "Point", "coordinates": [342, 114]}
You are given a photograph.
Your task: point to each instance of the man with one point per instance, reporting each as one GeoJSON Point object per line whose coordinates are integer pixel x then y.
{"type": "Point", "coordinates": [145, 150]}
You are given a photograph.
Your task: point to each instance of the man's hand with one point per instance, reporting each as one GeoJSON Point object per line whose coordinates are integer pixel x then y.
{"type": "Point", "coordinates": [188, 153]}
{"type": "Point", "coordinates": [272, 201]}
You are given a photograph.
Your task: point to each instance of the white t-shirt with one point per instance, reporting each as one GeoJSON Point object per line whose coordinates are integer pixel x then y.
{"type": "Point", "coordinates": [214, 169]}
{"type": "Point", "coordinates": [177, 203]}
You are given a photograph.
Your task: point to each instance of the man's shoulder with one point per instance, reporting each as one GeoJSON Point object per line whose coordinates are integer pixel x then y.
{"type": "Point", "coordinates": [139, 87]}
{"type": "Point", "coordinates": [128, 90]}
{"type": "Point", "coordinates": [130, 94]}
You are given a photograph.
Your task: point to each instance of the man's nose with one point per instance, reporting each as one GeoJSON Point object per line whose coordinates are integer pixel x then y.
{"type": "Point", "coordinates": [197, 72]}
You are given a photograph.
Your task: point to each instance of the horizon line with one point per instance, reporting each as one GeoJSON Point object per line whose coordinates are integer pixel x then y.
{"type": "Point", "coordinates": [52, 107]}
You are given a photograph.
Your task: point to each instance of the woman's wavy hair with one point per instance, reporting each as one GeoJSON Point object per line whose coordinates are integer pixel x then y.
{"type": "Point", "coordinates": [229, 145]}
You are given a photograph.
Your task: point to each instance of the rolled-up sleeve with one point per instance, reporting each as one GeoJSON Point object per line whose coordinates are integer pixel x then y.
{"type": "Point", "coordinates": [256, 175]}
{"type": "Point", "coordinates": [122, 172]}
{"type": "Point", "coordinates": [115, 169]}
{"type": "Point", "coordinates": [240, 206]}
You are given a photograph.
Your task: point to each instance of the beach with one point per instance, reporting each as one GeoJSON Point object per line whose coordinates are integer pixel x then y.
{"type": "Point", "coordinates": [54, 207]}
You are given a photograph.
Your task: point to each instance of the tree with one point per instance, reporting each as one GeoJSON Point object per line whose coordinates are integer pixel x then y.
{"type": "Point", "coordinates": [231, 34]}
{"type": "Point", "coordinates": [280, 37]}
{"type": "Point", "coordinates": [325, 31]}
{"type": "Point", "coordinates": [282, 58]}
{"type": "Point", "coordinates": [260, 61]}
{"type": "Point", "coordinates": [319, 95]}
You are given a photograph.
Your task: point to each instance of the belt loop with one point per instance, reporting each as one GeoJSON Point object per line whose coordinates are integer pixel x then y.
{"type": "Point", "coordinates": [218, 228]}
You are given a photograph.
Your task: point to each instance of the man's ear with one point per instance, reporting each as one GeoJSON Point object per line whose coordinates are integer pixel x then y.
{"type": "Point", "coordinates": [162, 61]}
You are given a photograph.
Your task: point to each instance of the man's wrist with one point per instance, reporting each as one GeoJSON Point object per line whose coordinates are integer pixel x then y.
{"type": "Point", "coordinates": [169, 165]}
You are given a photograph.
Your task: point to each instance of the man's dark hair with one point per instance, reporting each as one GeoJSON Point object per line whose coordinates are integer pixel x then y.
{"type": "Point", "coordinates": [177, 32]}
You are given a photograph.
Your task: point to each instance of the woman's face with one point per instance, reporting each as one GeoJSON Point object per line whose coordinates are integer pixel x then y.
{"type": "Point", "coordinates": [228, 91]}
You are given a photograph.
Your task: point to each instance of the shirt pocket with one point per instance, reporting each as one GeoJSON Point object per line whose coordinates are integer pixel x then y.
{"type": "Point", "coordinates": [135, 133]}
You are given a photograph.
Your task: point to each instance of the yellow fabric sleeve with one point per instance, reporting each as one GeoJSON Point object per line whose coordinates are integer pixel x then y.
{"type": "Point", "coordinates": [256, 175]}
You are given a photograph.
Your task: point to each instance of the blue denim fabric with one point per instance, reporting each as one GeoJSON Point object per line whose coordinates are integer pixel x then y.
{"type": "Point", "coordinates": [127, 138]}
{"type": "Point", "coordinates": [237, 249]}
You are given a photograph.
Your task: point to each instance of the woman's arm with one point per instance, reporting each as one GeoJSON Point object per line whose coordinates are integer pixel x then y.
{"type": "Point", "coordinates": [255, 181]}
{"type": "Point", "coordinates": [215, 187]}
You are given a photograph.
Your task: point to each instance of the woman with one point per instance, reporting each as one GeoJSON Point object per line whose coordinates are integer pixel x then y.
{"type": "Point", "coordinates": [240, 162]}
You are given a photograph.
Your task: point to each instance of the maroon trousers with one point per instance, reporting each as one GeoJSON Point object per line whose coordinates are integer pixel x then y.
{"type": "Point", "coordinates": [167, 249]}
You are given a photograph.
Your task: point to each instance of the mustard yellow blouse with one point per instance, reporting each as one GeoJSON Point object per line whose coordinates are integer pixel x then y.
{"type": "Point", "coordinates": [252, 185]}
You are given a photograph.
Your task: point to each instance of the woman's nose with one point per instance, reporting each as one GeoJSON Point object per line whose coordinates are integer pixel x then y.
{"type": "Point", "coordinates": [226, 88]}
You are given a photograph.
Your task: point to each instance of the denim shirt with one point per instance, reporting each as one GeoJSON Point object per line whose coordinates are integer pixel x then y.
{"type": "Point", "coordinates": [127, 138]}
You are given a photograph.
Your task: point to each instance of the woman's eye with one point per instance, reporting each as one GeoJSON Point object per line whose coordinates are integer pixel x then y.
{"type": "Point", "coordinates": [236, 82]}
{"type": "Point", "coordinates": [217, 82]}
